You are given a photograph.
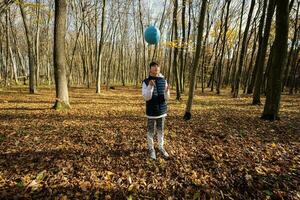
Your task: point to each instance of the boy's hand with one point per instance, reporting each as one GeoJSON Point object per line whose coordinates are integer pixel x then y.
{"type": "Point", "coordinates": [152, 82]}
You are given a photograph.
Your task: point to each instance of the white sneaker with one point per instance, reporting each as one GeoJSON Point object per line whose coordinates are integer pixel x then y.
{"type": "Point", "coordinates": [152, 154]}
{"type": "Point", "coordinates": [164, 153]}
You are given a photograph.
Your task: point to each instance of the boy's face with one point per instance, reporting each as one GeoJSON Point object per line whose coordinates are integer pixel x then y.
{"type": "Point", "coordinates": [154, 70]}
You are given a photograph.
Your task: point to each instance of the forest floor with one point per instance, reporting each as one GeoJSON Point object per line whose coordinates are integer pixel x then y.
{"type": "Point", "coordinates": [97, 149]}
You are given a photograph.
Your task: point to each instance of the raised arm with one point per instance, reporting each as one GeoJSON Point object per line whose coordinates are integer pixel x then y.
{"type": "Point", "coordinates": [147, 91]}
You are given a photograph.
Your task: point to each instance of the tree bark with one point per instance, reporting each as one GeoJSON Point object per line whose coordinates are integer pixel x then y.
{"type": "Point", "coordinates": [99, 63]}
{"type": "Point", "coordinates": [243, 52]}
{"type": "Point", "coordinates": [188, 114]}
{"type": "Point", "coordinates": [176, 50]}
{"type": "Point", "coordinates": [37, 43]}
{"type": "Point", "coordinates": [271, 107]}
{"type": "Point", "coordinates": [181, 74]}
{"type": "Point", "coordinates": [235, 58]}
{"type": "Point", "coordinates": [292, 52]}
{"type": "Point", "coordinates": [260, 38]}
{"type": "Point", "coordinates": [223, 48]}
{"type": "Point", "coordinates": [262, 53]}
{"type": "Point", "coordinates": [142, 34]}
{"type": "Point", "coordinates": [293, 72]}
{"type": "Point", "coordinates": [59, 59]}
{"type": "Point", "coordinates": [32, 77]}
{"type": "Point", "coordinates": [7, 48]}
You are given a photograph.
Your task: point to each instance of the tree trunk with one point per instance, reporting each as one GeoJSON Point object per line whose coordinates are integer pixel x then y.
{"type": "Point", "coordinates": [262, 55]}
{"type": "Point", "coordinates": [32, 77]}
{"type": "Point", "coordinates": [142, 35]}
{"type": "Point", "coordinates": [181, 74]}
{"type": "Point", "coordinates": [260, 38]}
{"type": "Point", "coordinates": [293, 72]}
{"type": "Point", "coordinates": [235, 58]}
{"type": "Point", "coordinates": [291, 53]}
{"type": "Point", "coordinates": [203, 68]}
{"type": "Point", "coordinates": [188, 36]}
{"type": "Point", "coordinates": [59, 60]}
{"type": "Point", "coordinates": [14, 66]}
{"type": "Point", "coordinates": [37, 43]}
{"type": "Point", "coordinates": [243, 51]}
{"type": "Point", "coordinates": [7, 48]}
{"type": "Point", "coordinates": [99, 64]}
{"type": "Point", "coordinates": [109, 66]}
{"type": "Point", "coordinates": [215, 52]}
{"type": "Point", "coordinates": [271, 108]}
{"type": "Point", "coordinates": [176, 50]}
{"type": "Point", "coordinates": [170, 55]}
{"type": "Point", "coordinates": [17, 52]}
{"type": "Point", "coordinates": [136, 64]}
{"type": "Point", "coordinates": [223, 47]}
{"type": "Point", "coordinates": [263, 87]}
{"type": "Point", "coordinates": [250, 63]}
{"type": "Point", "coordinates": [188, 114]}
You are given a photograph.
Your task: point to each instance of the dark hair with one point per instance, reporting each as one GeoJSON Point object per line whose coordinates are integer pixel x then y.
{"type": "Point", "coordinates": [153, 63]}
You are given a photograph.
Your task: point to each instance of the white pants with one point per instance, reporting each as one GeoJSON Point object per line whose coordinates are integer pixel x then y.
{"type": "Point", "coordinates": [158, 125]}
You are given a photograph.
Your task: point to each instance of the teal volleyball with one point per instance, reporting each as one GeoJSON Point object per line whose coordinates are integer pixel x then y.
{"type": "Point", "coordinates": [152, 35]}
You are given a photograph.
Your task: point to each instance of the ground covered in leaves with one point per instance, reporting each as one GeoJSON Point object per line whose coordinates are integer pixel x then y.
{"type": "Point", "coordinates": [98, 148]}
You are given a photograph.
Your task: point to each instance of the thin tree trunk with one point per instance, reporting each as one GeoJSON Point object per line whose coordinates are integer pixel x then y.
{"type": "Point", "coordinates": [262, 55]}
{"type": "Point", "coordinates": [32, 77]}
{"type": "Point", "coordinates": [136, 64]}
{"type": "Point", "coordinates": [203, 71]}
{"type": "Point", "coordinates": [266, 74]}
{"type": "Point", "coordinates": [260, 39]}
{"type": "Point", "coordinates": [293, 72]}
{"type": "Point", "coordinates": [7, 48]}
{"type": "Point", "coordinates": [188, 114]}
{"type": "Point", "coordinates": [296, 33]}
{"type": "Point", "coordinates": [109, 66]}
{"type": "Point", "coordinates": [181, 74]}
{"type": "Point", "coordinates": [243, 51]}
{"type": "Point", "coordinates": [37, 43]}
{"type": "Point", "coordinates": [222, 51]}
{"type": "Point", "coordinates": [142, 34]}
{"type": "Point", "coordinates": [73, 55]}
{"type": "Point", "coordinates": [176, 50]}
{"type": "Point", "coordinates": [250, 63]}
{"type": "Point", "coordinates": [96, 42]}
{"type": "Point", "coordinates": [188, 36]}
{"type": "Point", "coordinates": [14, 66]}
{"type": "Point", "coordinates": [238, 48]}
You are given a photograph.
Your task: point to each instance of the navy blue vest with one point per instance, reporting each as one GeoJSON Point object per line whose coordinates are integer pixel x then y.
{"type": "Point", "coordinates": [157, 105]}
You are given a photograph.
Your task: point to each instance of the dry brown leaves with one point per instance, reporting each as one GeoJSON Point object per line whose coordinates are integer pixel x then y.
{"type": "Point", "coordinates": [97, 150]}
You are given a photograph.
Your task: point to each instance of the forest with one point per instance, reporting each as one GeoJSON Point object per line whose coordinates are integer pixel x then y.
{"type": "Point", "coordinates": [74, 123]}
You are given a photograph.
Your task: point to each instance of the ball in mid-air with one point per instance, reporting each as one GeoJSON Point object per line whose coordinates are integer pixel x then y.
{"type": "Point", "coordinates": [152, 35]}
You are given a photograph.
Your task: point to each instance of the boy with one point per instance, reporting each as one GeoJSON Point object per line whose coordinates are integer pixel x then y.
{"type": "Point", "coordinates": [156, 92]}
